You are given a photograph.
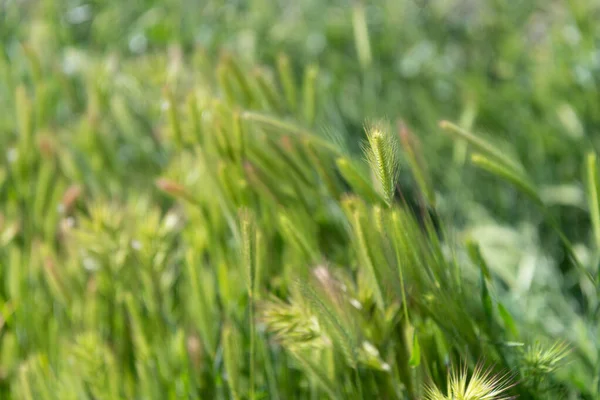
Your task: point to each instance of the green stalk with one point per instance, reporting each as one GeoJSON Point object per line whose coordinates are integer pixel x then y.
{"type": "Point", "coordinates": [174, 118]}
{"type": "Point", "coordinates": [365, 253]}
{"type": "Point", "coordinates": [361, 36]}
{"type": "Point", "coordinates": [286, 77]}
{"type": "Point", "coordinates": [280, 125]}
{"type": "Point", "coordinates": [480, 144]}
{"type": "Point", "coordinates": [249, 257]}
{"type": "Point", "coordinates": [310, 94]}
{"type": "Point", "coordinates": [397, 241]}
{"type": "Point", "coordinates": [252, 349]}
{"type": "Point", "coordinates": [594, 202]}
{"type": "Point", "coordinates": [192, 104]}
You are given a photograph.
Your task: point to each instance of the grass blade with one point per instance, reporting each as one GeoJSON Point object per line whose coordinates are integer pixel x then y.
{"type": "Point", "coordinates": [593, 196]}
{"type": "Point", "coordinates": [480, 144]}
{"type": "Point", "coordinates": [512, 176]}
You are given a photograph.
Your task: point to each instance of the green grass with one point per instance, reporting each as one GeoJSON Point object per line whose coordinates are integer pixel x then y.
{"type": "Point", "coordinates": [265, 200]}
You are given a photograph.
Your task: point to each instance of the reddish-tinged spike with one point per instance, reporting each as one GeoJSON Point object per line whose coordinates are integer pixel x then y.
{"type": "Point", "coordinates": [70, 197]}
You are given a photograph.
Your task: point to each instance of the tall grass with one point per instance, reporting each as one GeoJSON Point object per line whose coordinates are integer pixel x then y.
{"type": "Point", "coordinates": [259, 201]}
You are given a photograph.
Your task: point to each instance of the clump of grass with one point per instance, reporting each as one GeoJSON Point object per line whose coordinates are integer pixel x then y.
{"type": "Point", "coordinates": [185, 213]}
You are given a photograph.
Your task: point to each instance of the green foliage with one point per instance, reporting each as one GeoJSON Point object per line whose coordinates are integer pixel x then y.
{"type": "Point", "coordinates": [186, 210]}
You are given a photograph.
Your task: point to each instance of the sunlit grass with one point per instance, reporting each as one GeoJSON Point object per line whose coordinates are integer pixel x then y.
{"type": "Point", "coordinates": [250, 200]}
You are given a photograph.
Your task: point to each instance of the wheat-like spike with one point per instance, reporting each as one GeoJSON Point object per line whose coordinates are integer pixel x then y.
{"type": "Point", "coordinates": [293, 326]}
{"type": "Point", "coordinates": [482, 385]}
{"type": "Point", "coordinates": [238, 74]}
{"type": "Point", "coordinates": [96, 365]}
{"type": "Point", "coordinates": [268, 90]}
{"type": "Point", "coordinates": [382, 155]}
{"type": "Point", "coordinates": [328, 316]}
{"type": "Point", "coordinates": [225, 83]}
{"type": "Point", "coordinates": [544, 359]}
{"type": "Point", "coordinates": [231, 345]}
{"type": "Point", "coordinates": [249, 257]}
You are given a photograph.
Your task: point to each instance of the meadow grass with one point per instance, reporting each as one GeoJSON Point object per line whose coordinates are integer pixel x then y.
{"type": "Point", "coordinates": [299, 200]}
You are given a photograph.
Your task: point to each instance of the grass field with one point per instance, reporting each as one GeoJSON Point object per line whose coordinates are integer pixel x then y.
{"type": "Point", "coordinates": [299, 199]}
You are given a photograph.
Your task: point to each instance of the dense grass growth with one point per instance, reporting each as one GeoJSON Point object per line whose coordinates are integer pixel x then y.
{"type": "Point", "coordinates": [267, 200]}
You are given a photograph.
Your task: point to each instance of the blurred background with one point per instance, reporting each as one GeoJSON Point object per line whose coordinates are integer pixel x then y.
{"type": "Point", "coordinates": [525, 73]}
